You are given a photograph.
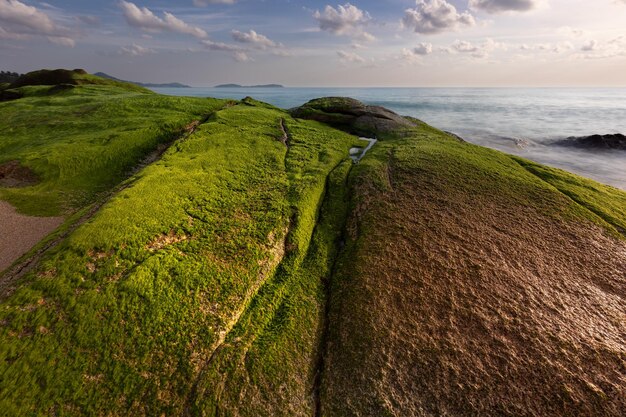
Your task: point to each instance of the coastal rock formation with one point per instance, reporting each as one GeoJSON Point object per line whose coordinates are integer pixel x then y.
{"type": "Point", "coordinates": [234, 275]}
{"type": "Point", "coordinates": [355, 117]}
{"type": "Point", "coordinates": [612, 141]}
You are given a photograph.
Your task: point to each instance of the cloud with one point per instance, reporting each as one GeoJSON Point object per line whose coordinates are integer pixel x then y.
{"type": "Point", "coordinates": [590, 45]}
{"type": "Point", "coordinates": [241, 57]}
{"type": "Point", "coordinates": [346, 20]}
{"type": "Point", "coordinates": [144, 19]}
{"type": "Point", "coordinates": [238, 53]}
{"type": "Point", "coordinates": [12, 36]}
{"type": "Point", "coordinates": [497, 6]}
{"type": "Point", "coordinates": [20, 21]}
{"type": "Point", "coordinates": [350, 57]}
{"type": "Point", "coordinates": [556, 48]}
{"type": "Point", "coordinates": [414, 54]}
{"type": "Point", "coordinates": [423, 48]}
{"type": "Point", "coordinates": [435, 16]}
{"type": "Point", "coordinates": [611, 48]}
{"type": "Point", "coordinates": [135, 50]}
{"type": "Point", "coordinates": [482, 50]}
{"type": "Point", "coordinates": [260, 42]}
{"type": "Point", "coordinates": [88, 20]}
{"type": "Point", "coordinates": [255, 39]}
{"type": "Point", "coordinates": [204, 3]}
{"type": "Point", "coordinates": [220, 46]}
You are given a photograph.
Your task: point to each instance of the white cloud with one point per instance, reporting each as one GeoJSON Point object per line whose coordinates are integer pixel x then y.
{"type": "Point", "coordinates": [12, 36]}
{"type": "Point", "coordinates": [21, 21]}
{"type": "Point", "coordinates": [350, 57]}
{"type": "Point", "coordinates": [611, 48]}
{"type": "Point", "coordinates": [204, 3]}
{"type": "Point", "coordinates": [253, 38]}
{"type": "Point", "coordinates": [556, 48]}
{"type": "Point", "coordinates": [497, 6]}
{"type": "Point", "coordinates": [135, 50]}
{"type": "Point", "coordinates": [482, 50]}
{"type": "Point", "coordinates": [435, 16]}
{"type": "Point", "coordinates": [590, 45]}
{"type": "Point", "coordinates": [220, 46]}
{"type": "Point", "coordinates": [238, 53]}
{"type": "Point", "coordinates": [240, 56]}
{"type": "Point", "coordinates": [144, 19]}
{"type": "Point", "coordinates": [347, 20]}
{"type": "Point", "coordinates": [415, 54]}
{"type": "Point", "coordinates": [423, 48]}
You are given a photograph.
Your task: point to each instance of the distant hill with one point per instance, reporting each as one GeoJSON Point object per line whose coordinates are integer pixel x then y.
{"type": "Point", "coordinates": [54, 81]}
{"type": "Point", "coordinates": [249, 86]}
{"type": "Point", "coordinates": [149, 85]}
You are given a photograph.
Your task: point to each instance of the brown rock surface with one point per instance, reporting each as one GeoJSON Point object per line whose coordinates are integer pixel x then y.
{"type": "Point", "coordinates": [457, 302]}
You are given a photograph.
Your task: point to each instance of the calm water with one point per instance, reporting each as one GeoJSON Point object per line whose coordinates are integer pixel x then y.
{"type": "Point", "coordinates": [521, 121]}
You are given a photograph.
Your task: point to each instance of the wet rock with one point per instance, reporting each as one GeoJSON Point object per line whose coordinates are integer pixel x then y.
{"type": "Point", "coordinates": [613, 141]}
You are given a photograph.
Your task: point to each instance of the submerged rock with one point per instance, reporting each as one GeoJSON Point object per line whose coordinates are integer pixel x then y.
{"type": "Point", "coordinates": [612, 141]}
{"type": "Point", "coordinates": [355, 117]}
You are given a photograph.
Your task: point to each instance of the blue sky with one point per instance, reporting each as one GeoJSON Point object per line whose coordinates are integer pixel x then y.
{"type": "Point", "coordinates": [322, 43]}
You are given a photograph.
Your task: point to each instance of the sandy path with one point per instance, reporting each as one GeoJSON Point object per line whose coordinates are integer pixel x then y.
{"type": "Point", "coordinates": [19, 233]}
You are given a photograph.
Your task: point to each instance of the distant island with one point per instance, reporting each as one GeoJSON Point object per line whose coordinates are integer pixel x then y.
{"type": "Point", "coordinates": [149, 85]}
{"type": "Point", "coordinates": [249, 86]}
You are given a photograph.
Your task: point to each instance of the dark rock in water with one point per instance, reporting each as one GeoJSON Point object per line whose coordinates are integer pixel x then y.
{"type": "Point", "coordinates": [355, 117]}
{"type": "Point", "coordinates": [614, 141]}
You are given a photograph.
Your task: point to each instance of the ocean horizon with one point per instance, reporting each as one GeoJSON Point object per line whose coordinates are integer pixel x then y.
{"type": "Point", "coordinates": [524, 121]}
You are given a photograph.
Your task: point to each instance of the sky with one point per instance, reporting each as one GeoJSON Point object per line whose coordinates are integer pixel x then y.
{"type": "Point", "coordinates": [364, 43]}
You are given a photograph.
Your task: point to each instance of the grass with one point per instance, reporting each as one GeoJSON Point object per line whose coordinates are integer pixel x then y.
{"type": "Point", "coordinates": [123, 317]}
{"type": "Point", "coordinates": [83, 141]}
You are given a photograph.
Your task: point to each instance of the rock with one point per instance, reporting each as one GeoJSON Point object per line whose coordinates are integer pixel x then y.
{"type": "Point", "coordinates": [13, 175]}
{"type": "Point", "coordinates": [355, 117]}
{"type": "Point", "coordinates": [612, 141]}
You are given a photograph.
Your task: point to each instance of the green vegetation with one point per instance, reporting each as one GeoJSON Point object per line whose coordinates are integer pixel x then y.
{"type": "Point", "coordinates": [202, 287]}
{"type": "Point", "coordinates": [606, 202]}
{"type": "Point", "coordinates": [126, 314]}
{"type": "Point", "coordinates": [82, 141]}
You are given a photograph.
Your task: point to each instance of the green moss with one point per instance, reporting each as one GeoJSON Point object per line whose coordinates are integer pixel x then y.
{"type": "Point", "coordinates": [85, 140]}
{"type": "Point", "coordinates": [124, 315]}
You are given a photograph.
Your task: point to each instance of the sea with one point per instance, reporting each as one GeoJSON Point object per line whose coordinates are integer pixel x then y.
{"type": "Point", "coordinates": [521, 121]}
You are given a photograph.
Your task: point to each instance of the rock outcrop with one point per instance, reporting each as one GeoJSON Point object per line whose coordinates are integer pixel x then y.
{"type": "Point", "coordinates": [355, 117]}
{"type": "Point", "coordinates": [612, 141]}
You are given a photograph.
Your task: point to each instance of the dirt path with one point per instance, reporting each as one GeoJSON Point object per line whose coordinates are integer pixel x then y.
{"type": "Point", "coordinates": [19, 233]}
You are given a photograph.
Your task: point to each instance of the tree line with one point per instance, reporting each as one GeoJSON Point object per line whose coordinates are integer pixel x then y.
{"type": "Point", "coordinates": [8, 76]}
